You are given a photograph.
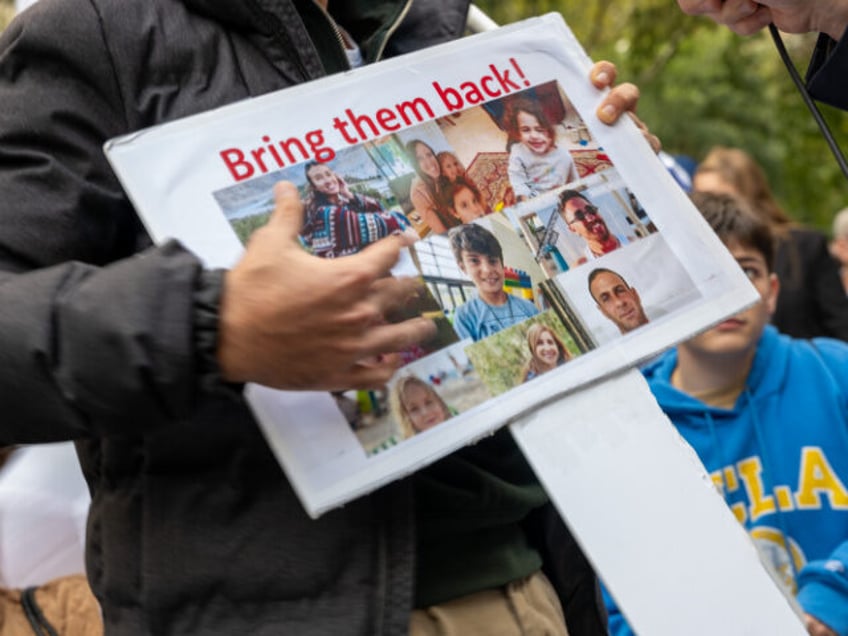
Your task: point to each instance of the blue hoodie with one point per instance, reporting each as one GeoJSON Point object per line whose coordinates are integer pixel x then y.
{"type": "Point", "coordinates": [780, 458]}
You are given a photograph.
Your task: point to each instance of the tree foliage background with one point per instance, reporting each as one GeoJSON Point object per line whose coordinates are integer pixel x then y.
{"type": "Point", "coordinates": [702, 85]}
{"type": "Point", "coordinates": [7, 10]}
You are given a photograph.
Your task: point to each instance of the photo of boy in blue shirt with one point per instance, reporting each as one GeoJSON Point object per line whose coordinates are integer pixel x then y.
{"type": "Point", "coordinates": [480, 256]}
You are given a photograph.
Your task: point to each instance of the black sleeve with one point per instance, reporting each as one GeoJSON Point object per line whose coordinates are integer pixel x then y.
{"type": "Point", "coordinates": [827, 74]}
{"type": "Point", "coordinates": [92, 340]}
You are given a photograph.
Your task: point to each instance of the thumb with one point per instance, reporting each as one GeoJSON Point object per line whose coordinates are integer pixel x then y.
{"type": "Point", "coordinates": [287, 216]}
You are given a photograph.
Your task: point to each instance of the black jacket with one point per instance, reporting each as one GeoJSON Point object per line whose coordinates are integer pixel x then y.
{"type": "Point", "coordinates": [827, 74]}
{"type": "Point", "coordinates": [812, 301]}
{"type": "Point", "coordinates": [108, 341]}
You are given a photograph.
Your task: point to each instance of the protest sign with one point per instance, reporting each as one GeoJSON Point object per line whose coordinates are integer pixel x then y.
{"type": "Point", "coordinates": [555, 250]}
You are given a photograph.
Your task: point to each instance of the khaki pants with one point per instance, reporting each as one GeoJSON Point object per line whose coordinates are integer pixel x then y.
{"type": "Point", "coordinates": [527, 607]}
{"type": "Point", "coordinates": [66, 603]}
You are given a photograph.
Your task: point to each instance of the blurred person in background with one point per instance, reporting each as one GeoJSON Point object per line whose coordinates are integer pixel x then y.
{"type": "Point", "coordinates": [812, 301]}
{"type": "Point", "coordinates": [839, 245]}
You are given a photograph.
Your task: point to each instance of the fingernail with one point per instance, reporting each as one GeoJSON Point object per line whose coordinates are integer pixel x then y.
{"type": "Point", "coordinates": [608, 113]}
{"type": "Point", "coordinates": [602, 78]}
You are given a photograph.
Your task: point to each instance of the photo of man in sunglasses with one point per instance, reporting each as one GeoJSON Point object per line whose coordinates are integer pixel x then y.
{"type": "Point", "coordinates": [584, 219]}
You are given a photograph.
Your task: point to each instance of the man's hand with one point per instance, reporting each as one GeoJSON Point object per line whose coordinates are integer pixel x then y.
{"type": "Point", "coordinates": [621, 99]}
{"type": "Point", "coordinates": [792, 16]}
{"type": "Point", "coordinates": [291, 320]}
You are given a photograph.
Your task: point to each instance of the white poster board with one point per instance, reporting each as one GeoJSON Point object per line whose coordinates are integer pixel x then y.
{"type": "Point", "coordinates": [207, 180]}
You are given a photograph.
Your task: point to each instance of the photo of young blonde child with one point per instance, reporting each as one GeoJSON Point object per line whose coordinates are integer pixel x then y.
{"type": "Point", "coordinates": [416, 405]}
{"type": "Point", "coordinates": [537, 163]}
{"type": "Point", "coordinates": [423, 395]}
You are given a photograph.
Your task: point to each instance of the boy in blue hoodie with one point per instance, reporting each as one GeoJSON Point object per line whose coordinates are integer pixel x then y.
{"type": "Point", "coordinates": [768, 416]}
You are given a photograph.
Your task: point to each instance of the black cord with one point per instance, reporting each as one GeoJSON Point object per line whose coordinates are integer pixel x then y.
{"type": "Point", "coordinates": [799, 83]}
{"type": "Point", "coordinates": [40, 625]}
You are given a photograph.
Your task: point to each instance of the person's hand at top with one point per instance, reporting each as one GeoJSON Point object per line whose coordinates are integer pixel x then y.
{"type": "Point", "coordinates": [344, 189]}
{"type": "Point", "coordinates": [291, 320]}
{"type": "Point", "coordinates": [792, 16]}
{"type": "Point", "coordinates": [621, 99]}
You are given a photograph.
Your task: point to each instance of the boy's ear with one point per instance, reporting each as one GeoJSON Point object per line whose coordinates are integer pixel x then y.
{"type": "Point", "coordinates": [770, 298]}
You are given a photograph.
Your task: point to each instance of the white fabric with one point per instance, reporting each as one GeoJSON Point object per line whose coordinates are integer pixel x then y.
{"type": "Point", "coordinates": [43, 507]}
{"type": "Point", "coordinates": [20, 5]}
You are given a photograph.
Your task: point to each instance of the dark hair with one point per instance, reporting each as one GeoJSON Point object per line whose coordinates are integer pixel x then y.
{"type": "Point", "coordinates": [566, 195]}
{"type": "Point", "coordinates": [307, 167]}
{"type": "Point", "coordinates": [314, 199]}
{"type": "Point", "coordinates": [602, 270]}
{"type": "Point", "coordinates": [531, 107]}
{"type": "Point", "coordinates": [732, 219]}
{"type": "Point", "coordinates": [462, 184]}
{"type": "Point", "coordinates": [474, 238]}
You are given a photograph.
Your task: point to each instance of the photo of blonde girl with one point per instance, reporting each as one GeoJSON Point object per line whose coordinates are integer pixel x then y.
{"type": "Point", "coordinates": [547, 351]}
{"type": "Point", "coordinates": [536, 163]}
{"type": "Point", "coordinates": [416, 406]}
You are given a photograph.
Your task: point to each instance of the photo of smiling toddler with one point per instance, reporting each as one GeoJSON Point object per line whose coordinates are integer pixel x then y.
{"type": "Point", "coordinates": [536, 163]}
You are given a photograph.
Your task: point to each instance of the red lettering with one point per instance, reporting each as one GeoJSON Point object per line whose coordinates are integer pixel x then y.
{"type": "Point", "coordinates": [472, 93]}
{"type": "Point", "coordinates": [506, 83]}
{"type": "Point", "coordinates": [450, 97]}
{"type": "Point", "coordinates": [485, 83]}
{"type": "Point", "coordinates": [413, 106]}
{"type": "Point", "coordinates": [386, 118]}
{"type": "Point", "coordinates": [238, 167]}
{"type": "Point", "coordinates": [257, 157]}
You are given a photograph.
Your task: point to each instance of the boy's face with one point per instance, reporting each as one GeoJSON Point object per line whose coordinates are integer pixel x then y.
{"type": "Point", "coordinates": [486, 272]}
{"type": "Point", "coordinates": [741, 333]}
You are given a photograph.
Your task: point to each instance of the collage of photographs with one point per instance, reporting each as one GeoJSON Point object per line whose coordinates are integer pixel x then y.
{"type": "Point", "coordinates": [532, 248]}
